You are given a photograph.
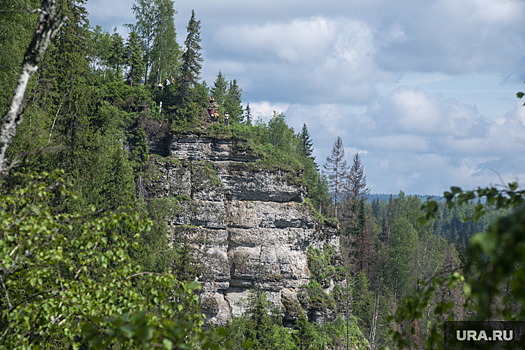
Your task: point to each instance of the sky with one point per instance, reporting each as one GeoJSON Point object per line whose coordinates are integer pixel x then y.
{"type": "Point", "coordinates": [424, 90]}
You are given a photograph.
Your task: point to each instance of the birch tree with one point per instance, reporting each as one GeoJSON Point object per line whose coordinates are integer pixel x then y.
{"type": "Point", "coordinates": [48, 24]}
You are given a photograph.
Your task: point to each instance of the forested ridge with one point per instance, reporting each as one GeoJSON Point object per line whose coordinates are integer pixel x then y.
{"type": "Point", "coordinates": [87, 262]}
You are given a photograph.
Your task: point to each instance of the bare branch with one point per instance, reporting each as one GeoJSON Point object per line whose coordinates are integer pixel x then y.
{"type": "Point", "coordinates": [6, 293]}
{"type": "Point", "coordinates": [39, 151]}
{"type": "Point", "coordinates": [54, 120]}
{"type": "Point", "coordinates": [47, 27]}
{"type": "Point", "coordinates": [144, 273]}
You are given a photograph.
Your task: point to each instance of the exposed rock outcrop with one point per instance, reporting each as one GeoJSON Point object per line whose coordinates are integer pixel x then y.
{"type": "Point", "coordinates": [249, 225]}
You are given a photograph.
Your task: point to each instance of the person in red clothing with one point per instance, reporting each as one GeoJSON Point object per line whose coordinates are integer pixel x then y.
{"type": "Point", "coordinates": [211, 99]}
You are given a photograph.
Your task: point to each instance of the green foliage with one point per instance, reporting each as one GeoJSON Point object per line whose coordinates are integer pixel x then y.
{"type": "Point", "coordinates": [133, 55]}
{"type": "Point", "coordinates": [146, 12]}
{"type": "Point", "coordinates": [102, 43]}
{"type": "Point", "coordinates": [233, 103]}
{"type": "Point", "coordinates": [510, 197]}
{"type": "Point", "coordinates": [191, 60]}
{"type": "Point", "coordinates": [305, 335]}
{"type": "Point", "coordinates": [324, 265]}
{"type": "Point", "coordinates": [117, 56]}
{"type": "Point", "coordinates": [140, 150]}
{"type": "Point", "coordinates": [220, 92]}
{"type": "Point", "coordinates": [402, 255]}
{"type": "Point", "coordinates": [493, 261]}
{"type": "Point", "coordinates": [165, 52]}
{"type": "Point", "coordinates": [16, 33]}
{"type": "Point", "coordinates": [68, 275]}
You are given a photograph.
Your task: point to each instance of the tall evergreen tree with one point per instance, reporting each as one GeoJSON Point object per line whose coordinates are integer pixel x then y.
{"type": "Point", "coordinates": [336, 168]}
{"type": "Point", "coordinates": [165, 52]}
{"type": "Point", "coordinates": [16, 32]}
{"type": "Point", "coordinates": [306, 143]}
{"type": "Point", "coordinates": [233, 103]}
{"type": "Point", "coordinates": [191, 60]}
{"type": "Point", "coordinates": [117, 55]}
{"type": "Point", "coordinates": [68, 70]}
{"type": "Point", "coordinates": [304, 337]}
{"type": "Point", "coordinates": [355, 184]}
{"type": "Point", "coordinates": [248, 114]}
{"type": "Point", "coordinates": [220, 91]}
{"type": "Point", "coordinates": [134, 55]}
{"type": "Point", "coordinates": [352, 211]}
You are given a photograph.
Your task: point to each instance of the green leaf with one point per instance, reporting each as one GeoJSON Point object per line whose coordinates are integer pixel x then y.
{"type": "Point", "coordinates": [168, 344]}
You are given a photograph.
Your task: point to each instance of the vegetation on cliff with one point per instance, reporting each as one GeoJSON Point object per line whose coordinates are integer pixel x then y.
{"type": "Point", "coordinates": [85, 260]}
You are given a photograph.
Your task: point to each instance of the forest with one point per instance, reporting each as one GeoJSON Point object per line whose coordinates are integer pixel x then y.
{"type": "Point", "coordinates": [87, 262]}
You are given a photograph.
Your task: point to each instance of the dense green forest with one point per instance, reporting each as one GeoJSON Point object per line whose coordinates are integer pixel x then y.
{"type": "Point", "coordinates": [86, 262]}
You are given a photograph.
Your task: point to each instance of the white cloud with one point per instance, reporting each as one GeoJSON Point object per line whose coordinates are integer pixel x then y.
{"type": "Point", "coordinates": [318, 62]}
{"type": "Point", "coordinates": [265, 109]}
{"type": "Point", "coordinates": [324, 59]}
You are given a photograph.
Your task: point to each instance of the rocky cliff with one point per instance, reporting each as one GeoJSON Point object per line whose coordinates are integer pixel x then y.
{"type": "Point", "coordinates": [248, 225]}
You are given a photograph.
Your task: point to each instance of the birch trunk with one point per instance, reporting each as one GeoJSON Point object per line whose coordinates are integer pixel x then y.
{"type": "Point", "coordinates": [46, 29]}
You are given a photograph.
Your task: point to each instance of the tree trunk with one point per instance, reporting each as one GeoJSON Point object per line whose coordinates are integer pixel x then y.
{"type": "Point", "coordinates": [45, 31]}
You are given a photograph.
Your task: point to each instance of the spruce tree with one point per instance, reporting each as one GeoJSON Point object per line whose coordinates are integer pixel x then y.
{"type": "Point", "coordinates": [248, 114]}
{"type": "Point", "coordinates": [117, 54]}
{"type": "Point", "coordinates": [354, 188]}
{"type": "Point", "coordinates": [191, 60]}
{"type": "Point", "coordinates": [134, 55]}
{"type": "Point", "coordinates": [355, 185]}
{"type": "Point", "coordinates": [233, 104]}
{"type": "Point", "coordinates": [306, 143]}
{"type": "Point", "coordinates": [17, 29]}
{"type": "Point", "coordinates": [305, 335]}
{"type": "Point", "coordinates": [220, 90]}
{"type": "Point", "coordinates": [336, 168]}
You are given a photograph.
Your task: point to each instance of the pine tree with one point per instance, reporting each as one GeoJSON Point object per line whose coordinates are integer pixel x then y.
{"type": "Point", "coordinates": [191, 60]}
{"type": "Point", "coordinates": [355, 185]}
{"type": "Point", "coordinates": [363, 242]}
{"type": "Point", "coordinates": [67, 70]}
{"type": "Point", "coordinates": [134, 55]}
{"type": "Point", "coordinates": [233, 103]}
{"type": "Point", "coordinates": [337, 169]}
{"type": "Point", "coordinates": [305, 336]}
{"type": "Point", "coordinates": [117, 54]}
{"type": "Point", "coordinates": [17, 29]}
{"type": "Point", "coordinates": [260, 323]}
{"type": "Point", "coordinates": [306, 144]}
{"type": "Point", "coordinates": [248, 114]}
{"type": "Point", "coordinates": [220, 91]}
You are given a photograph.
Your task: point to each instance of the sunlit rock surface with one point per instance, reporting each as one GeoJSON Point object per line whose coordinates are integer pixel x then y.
{"type": "Point", "coordinates": [249, 225]}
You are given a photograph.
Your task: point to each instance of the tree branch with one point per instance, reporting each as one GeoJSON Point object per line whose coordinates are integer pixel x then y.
{"type": "Point", "coordinates": [6, 293]}
{"type": "Point", "coordinates": [46, 29]}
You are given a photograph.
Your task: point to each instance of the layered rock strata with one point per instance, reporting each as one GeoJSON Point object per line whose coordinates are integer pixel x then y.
{"type": "Point", "coordinates": [248, 225]}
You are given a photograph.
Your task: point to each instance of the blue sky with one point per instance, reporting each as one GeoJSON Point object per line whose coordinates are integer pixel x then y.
{"type": "Point", "coordinates": [425, 91]}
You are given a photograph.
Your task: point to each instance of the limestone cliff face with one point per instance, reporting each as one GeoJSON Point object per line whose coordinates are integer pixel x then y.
{"type": "Point", "coordinates": [249, 226]}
